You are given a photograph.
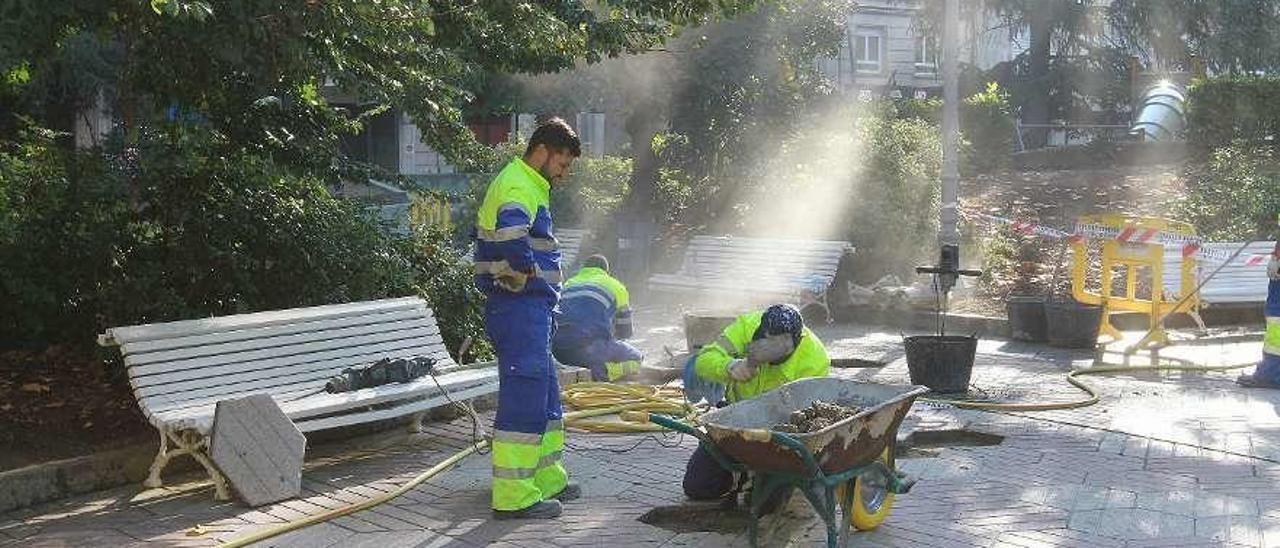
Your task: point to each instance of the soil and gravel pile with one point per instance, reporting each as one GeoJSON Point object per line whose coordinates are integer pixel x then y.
{"type": "Point", "coordinates": [817, 416]}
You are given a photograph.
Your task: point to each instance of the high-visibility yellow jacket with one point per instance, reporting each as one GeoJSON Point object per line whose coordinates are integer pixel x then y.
{"type": "Point", "coordinates": [514, 232]}
{"type": "Point", "coordinates": [594, 305]}
{"type": "Point", "coordinates": [809, 360]}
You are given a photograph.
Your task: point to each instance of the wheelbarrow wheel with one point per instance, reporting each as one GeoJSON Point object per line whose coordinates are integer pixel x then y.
{"type": "Point", "coordinates": [872, 501]}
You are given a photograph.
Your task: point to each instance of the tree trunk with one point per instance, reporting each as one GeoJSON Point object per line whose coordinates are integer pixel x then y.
{"type": "Point", "coordinates": [637, 217]}
{"type": "Point", "coordinates": [642, 126]}
{"type": "Point", "coordinates": [1036, 110]}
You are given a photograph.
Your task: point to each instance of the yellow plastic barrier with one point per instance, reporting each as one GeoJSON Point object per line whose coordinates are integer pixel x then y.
{"type": "Point", "coordinates": [429, 210]}
{"type": "Point", "coordinates": [1132, 257]}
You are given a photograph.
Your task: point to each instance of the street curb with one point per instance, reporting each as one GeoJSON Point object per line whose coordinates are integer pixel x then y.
{"type": "Point", "coordinates": [49, 481]}
{"type": "Point", "coordinates": [915, 320]}
{"type": "Point", "coordinates": [37, 483]}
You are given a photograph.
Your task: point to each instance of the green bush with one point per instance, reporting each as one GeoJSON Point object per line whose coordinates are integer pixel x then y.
{"type": "Point", "coordinates": [893, 216]}
{"type": "Point", "coordinates": [927, 110]}
{"type": "Point", "coordinates": [987, 124]}
{"type": "Point", "coordinates": [439, 273]}
{"type": "Point", "coordinates": [63, 223]}
{"type": "Point", "coordinates": [1235, 196]}
{"type": "Point", "coordinates": [187, 226]}
{"type": "Point", "coordinates": [592, 192]}
{"type": "Point", "coordinates": [1223, 110]}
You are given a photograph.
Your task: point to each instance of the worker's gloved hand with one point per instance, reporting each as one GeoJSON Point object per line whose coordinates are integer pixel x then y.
{"type": "Point", "coordinates": [512, 280]}
{"type": "Point", "coordinates": [771, 349]}
{"type": "Point", "coordinates": [1273, 269]}
{"type": "Point", "coordinates": [741, 370]}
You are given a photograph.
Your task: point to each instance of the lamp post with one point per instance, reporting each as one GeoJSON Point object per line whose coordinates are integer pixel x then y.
{"type": "Point", "coordinates": [948, 229]}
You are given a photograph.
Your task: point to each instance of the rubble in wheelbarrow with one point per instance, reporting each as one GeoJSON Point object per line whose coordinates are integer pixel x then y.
{"type": "Point", "coordinates": [817, 416]}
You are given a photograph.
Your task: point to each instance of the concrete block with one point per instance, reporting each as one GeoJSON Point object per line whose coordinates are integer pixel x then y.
{"type": "Point", "coordinates": [258, 449]}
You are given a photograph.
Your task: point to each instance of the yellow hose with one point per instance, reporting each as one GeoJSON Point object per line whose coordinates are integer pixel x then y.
{"type": "Point", "coordinates": [588, 400]}
{"type": "Point", "coordinates": [345, 510]}
{"type": "Point", "coordinates": [1093, 394]}
{"type": "Point", "coordinates": [611, 398]}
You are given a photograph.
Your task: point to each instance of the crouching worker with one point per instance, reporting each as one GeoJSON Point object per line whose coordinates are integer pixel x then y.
{"type": "Point", "coordinates": [595, 311]}
{"type": "Point", "coordinates": [1267, 374]}
{"type": "Point", "coordinates": [758, 352]}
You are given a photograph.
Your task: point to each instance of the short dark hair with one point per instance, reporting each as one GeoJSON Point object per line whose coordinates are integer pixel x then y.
{"type": "Point", "coordinates": [596, 261]}
{"type": "Point", "coordinates": [556, 135]}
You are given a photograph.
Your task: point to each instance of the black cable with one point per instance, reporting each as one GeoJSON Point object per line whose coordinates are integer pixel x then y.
{"type": "Point", "coordinates": [471, 412]}
{"type": "Point", "coordinates": [619, 451]}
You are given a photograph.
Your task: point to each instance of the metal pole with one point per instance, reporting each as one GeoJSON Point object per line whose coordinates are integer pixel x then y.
{"type": "Point", "coordinates": [948, 229]}
{"type": "Point", "coordinates": [949, 233]}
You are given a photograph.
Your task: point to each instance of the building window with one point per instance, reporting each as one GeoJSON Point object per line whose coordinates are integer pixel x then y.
{"type": "Point", "coordinates": [926, 55]}
{"type": "Point", "coordinates": [867, 52]}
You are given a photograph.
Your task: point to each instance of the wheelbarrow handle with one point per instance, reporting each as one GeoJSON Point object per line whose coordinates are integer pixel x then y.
{"type": "Point", "coordinates": [672, 423]}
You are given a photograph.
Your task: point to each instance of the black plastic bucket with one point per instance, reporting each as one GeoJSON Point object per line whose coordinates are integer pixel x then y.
{"type": "Point", "coordinates": [1026, 318]}
{"type": "Point", "coordinates": [1072, 324]}
{"type": "Point", "coordinates": [943, 363]}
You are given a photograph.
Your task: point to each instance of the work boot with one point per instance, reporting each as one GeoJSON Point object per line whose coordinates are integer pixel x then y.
{"type": "Point", "coordinates": [1254, 381]}
{"type": "Point", "coordinates": [547, 509]}
{"type": "Point", "coordinates": [570, 492]}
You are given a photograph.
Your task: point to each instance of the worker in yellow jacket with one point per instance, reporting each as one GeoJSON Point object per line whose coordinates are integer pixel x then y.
{"type": "Point", "coordinates": [595, 315]}
{"type": "Point", "coordinates": [758, 352]}
{"type": "Point", "coordinates": [517, 264]}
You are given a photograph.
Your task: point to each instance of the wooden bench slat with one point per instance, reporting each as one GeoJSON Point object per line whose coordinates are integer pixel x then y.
{"type": "Point", "coordinates": [185, 328]}
{"type": "Point", "coordinates": [146, 347]}
{"type": "Point", "coordinates": [268, 366]}
{"type": "Point", "coordinates": [284, 342]}
{"type": "Point", "coordinates": [307, 414]}
{"type": "Point", "coordinates": [398, 411]}
{"type": "Point", "coordinates": [252, 355]}
{"type": "Point", "coordinates": [306, 376]}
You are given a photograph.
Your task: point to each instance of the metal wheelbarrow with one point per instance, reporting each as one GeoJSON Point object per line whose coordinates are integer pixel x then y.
{"type": "Point", "coordinates": [849, 463]}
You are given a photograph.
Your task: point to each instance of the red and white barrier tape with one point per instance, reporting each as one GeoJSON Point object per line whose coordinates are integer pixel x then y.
{"type": "Point", "coordinates": [1189, 245]}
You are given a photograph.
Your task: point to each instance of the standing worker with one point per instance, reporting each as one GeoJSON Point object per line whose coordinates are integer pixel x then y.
{"type": "Point", "coordinates": [758, 352]}
{"type": "Point", "coordinates": [595, 311]}
{"type": "Point", "coordinates": [1267, 374]}
{"type": "Point", "coordinates": [518, 268]}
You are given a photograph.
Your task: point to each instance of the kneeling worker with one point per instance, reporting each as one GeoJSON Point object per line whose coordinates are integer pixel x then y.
{"type": "Point", "coordinates": [758, 352]}
{"type": "Point", "coordinates": [595, 311]}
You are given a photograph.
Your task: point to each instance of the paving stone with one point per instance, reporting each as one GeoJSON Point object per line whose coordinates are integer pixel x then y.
{"type": "Point", "coordinates": [83, 537]}
{"type": "Point", "coordinates": [1132, 523]}
{"type": "Point", "coordinates": [317, 536]}
{"type": "Point", "coordinates": [1237, 529]}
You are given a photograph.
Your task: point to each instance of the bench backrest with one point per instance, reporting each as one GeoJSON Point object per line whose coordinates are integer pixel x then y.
{"type": "Point", "coordinates": [569, 240]}
{"type": "Point", "coordinates": [186, 364]}
{"type": "Point", "coordinates": [1235, 283]}
{"type": "Point", "coordinates": [764, 260]}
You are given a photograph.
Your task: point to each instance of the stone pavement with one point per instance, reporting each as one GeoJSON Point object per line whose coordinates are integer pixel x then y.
{"type": "Point", "coordinates": [1170, 459]}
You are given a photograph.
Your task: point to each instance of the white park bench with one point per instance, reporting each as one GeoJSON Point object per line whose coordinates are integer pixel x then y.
{"type": "Point", "coordinates": [569, 240]}
{"type": "Point", "coordinates": [180, 370]}
{"type": "Point", "coordinates": [760, 269]}
{"type": "Point", "coordinates": [1236, 284]}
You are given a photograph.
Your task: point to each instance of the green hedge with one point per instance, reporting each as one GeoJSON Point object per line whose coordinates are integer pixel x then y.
{"type": "Point", "coordinates": [1224, 110]}
{"type": "Point", "coordinates": [187, 225]}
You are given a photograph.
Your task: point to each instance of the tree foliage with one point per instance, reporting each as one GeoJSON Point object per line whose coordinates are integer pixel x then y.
{"type": "Point", "coordinates": [213, 195]}
{"type": "Point", "coordinates": [224, 60]}
{"type": "Point", "coordinates": [1231, 36]}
